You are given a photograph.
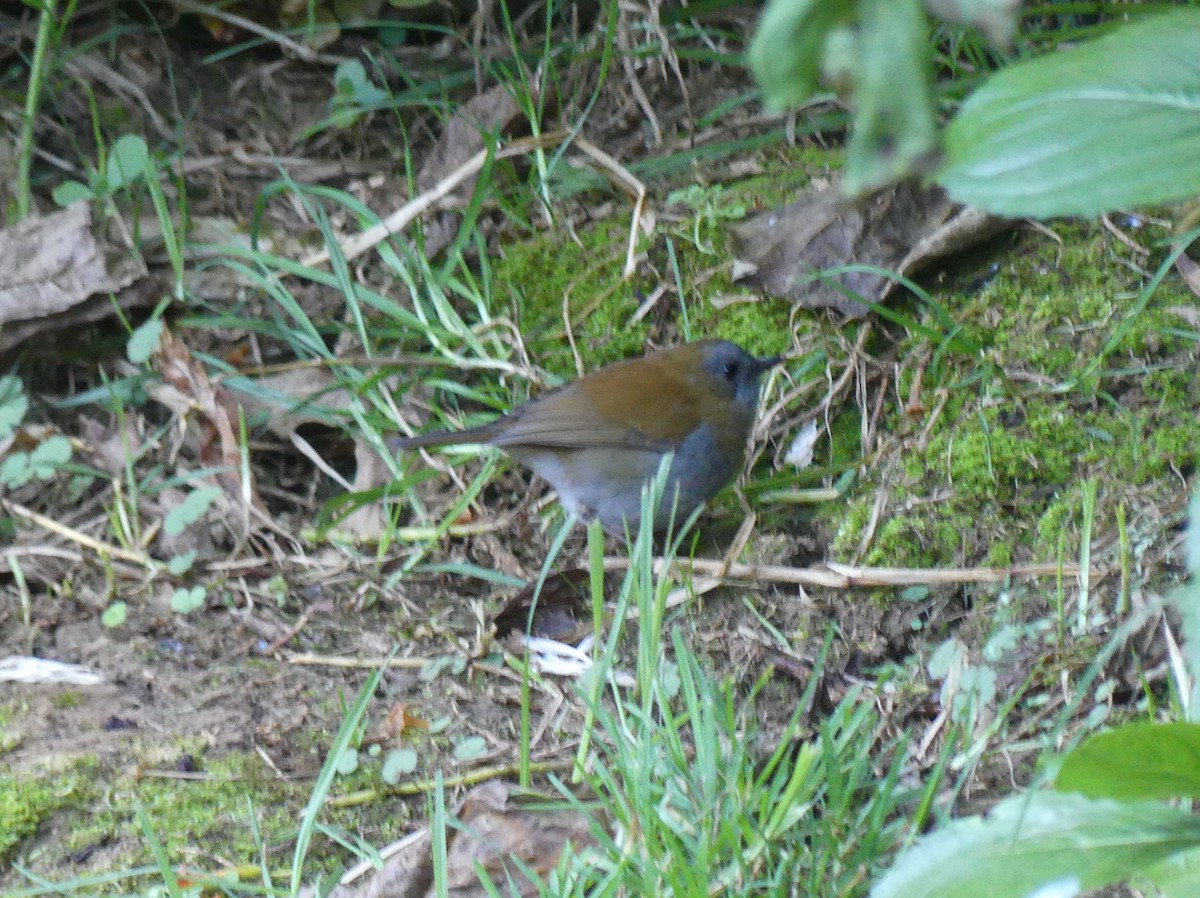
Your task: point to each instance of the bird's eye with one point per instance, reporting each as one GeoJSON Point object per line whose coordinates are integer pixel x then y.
{"type": "Point", "coordinates": [730, 370]}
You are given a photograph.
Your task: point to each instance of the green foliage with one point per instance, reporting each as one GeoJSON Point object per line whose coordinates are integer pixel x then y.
{"type": "Point", "coordinates": [23, 805]}
{"type": "Point", "coordinates": [1112, 123]}
{"type": "Point", "coordinates": [128, 163]}
{"type": "Point", "coordinates": [42, 463]}
{"type": "Point", "coordinates": [1097, 828]}
{"type": "Point", "coordinates": [13, 404]}
{"type": "Point", "coordinates": [876, 49]}
{"type": "Point", "coordinates": [1136, 762]}
{"type": "Point", "coordinates": [143, 341]}
{"type": "Point", "coordinates": [185, 601]}
{"type": "Point", "coordinates": [786, 53]}
{"type": "Point", "coordinates": [191, 509]}
{"type": "Point", "coordinates": [115, 614]}
{"type": "Point", "coordinates": [1040, 841]}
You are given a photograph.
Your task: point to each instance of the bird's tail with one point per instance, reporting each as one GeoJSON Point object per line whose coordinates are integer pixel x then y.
{"type": "Point", "coordinates": [483, 434]}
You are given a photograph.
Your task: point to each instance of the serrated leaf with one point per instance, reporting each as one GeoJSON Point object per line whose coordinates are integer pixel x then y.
{"type": "Point", "coordinates": [399, 762]}
{"type": "Point", "coordinates": [190, 510]}
{"type": "Point", "coordinates": [1032, 842]}
{"type": "Point", "coordinates": [143, 341]}
{"type": "Point", "coordinates": [1134, 762]}
{"type": "Point", "coordinates": [1112, 123]}
{"type": "Point", "coordinates": [185, 601]}
{"type": "Point", "coordinates": [114, 615]}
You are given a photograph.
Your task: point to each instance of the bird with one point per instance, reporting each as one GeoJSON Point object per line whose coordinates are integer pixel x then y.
{"type": "Point", "coordinates": [598, 440]}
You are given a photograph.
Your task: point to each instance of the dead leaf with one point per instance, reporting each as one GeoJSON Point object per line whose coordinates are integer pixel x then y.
{"type": "Point", "coordinates": [563, 611]}
{"type": "Point", "coordinates": [503, 831]}
{"type": "Point", "coordinates": [900, 230]}
{"type": "Point", "coordinates": [58, 274]}
{"type": "Point", "coordinates": [491, 113]}
{"type": "Point", "coordinates": [313, 396]}
{"type": "Point", "coordinates": [1189, 271]}
{"type": "Point", "coordinates": [216, 414]}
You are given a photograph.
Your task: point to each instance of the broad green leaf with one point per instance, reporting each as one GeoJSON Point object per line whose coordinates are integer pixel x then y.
{"type": "Point", "coordinates": [190, 510]}
{"type": "Point", "coordinates": [15, 470]}
{"type": "Point", "coordinates": [1032, 842]}
{"type": "Point", "coordinates": [894, 132]}
{"type": "Point", "coordinates": [71, 192]}
{"type": "Point", "coordinates": [1112, 123]}
{"type": "Point", "coordinates": [181, 564]}
{"type": "Point", "coordinates": [354, 86]}
{"type": "Point", "coordinates": [1136, 761]}
{"type": "Point", "coordinates": [185, 601]}
{"type": "Point", "coordinates": [13, 403]}
{"type": "Point", "coordinates": [50, 455]}
{"type": "Point", "coordinates": [143, 341]}
{"type": "Point", "coordinates": [470, 748]}
{"type": "Point", "coordinates": [398, 763]}
{"type": "Point", "coordinates": [114, 615]}
{"type": "Point", "coordinates": [1187, 600]}
{"type": "Point", "coordinates": [128, 160]}
{"type": "Point", "coordinates": [1178, 876]}
{"type": "Point", "coordinates": [789, 44]}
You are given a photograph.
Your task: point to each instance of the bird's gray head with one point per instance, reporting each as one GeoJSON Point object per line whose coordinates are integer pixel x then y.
{"type": "Point", "coordinates": [736, 368]}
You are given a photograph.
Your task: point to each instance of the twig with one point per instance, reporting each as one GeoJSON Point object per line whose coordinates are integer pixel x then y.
{"type": "Point", "coordinates": [845, 576]}
{"type": "Point", "coordinates": [469, 778]}
{"type": "Point", "coordinates": [358, 244]}
{"type": "Point", "coordinates": [364, 663]}
{"type": "Point", "coordinates": [103, 548]}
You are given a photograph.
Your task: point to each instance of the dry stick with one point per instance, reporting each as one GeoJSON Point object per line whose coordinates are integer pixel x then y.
{"type": "Point", "coordinates": [301, 51]}
{"type": "Point", "coordinates": [845, 576]}
{"type": "Point", "coordinates": [470, 778]}
{"type": "Point", "coordinates": [103, 548]}
{"type": "Point", "coordinates": [358, 244]}
{"type": "Point", "coordinates": [367, 663]}
{"type": "Point", "coordinates": [355, 246]}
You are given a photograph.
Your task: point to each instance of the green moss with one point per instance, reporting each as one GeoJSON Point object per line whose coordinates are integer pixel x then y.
{"type": "Point", "coordinates": [996, 479]}
{"type": "Point", "coordinates": [25, 802]}
{"type": "Point", "coordinates": [66, 700]}
{"type": "Point", "coordinates": [534, 277]}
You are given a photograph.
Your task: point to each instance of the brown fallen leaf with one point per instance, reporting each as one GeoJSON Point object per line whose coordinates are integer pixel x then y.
{"type": "Point", "coordinates": [784, 251]}
{"type": "Point", "coordinates": [491, 112]}
{"type": "Point", "coordinates": [1189, 271]}
{"type": "Point", "coordinates": [313, 396]}
{"type": "Point", "coordinates": [563, 611]}
{"type": "Point", "coordinates": [391, 730]}
{"type": "Point", "coordinates": [211, 408]}
{"type": "Point", "coordinates": [502, 831]}
{"type": "Point", "coordinates": [57, 275]}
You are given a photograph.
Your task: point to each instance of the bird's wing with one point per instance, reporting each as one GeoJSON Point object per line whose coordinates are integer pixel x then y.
{"type": "Point", "coordinates": [567, 419]}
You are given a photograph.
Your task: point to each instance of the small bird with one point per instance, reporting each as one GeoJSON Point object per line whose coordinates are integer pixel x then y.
{"type": "Point", "coordinates": [598, 439]}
